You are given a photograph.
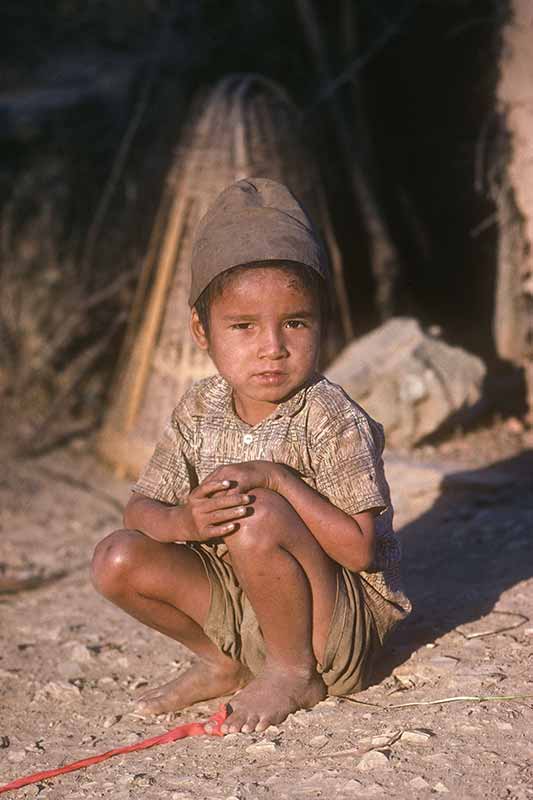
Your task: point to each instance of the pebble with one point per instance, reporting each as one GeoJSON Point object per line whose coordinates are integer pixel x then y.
{"type": "Point", "coordinates": [417, 736]}
{"type": "Point", "coordinates": [65, 692]}
{"type": "Point", "coordinates": [110, 721]}
{"type": "Point", "coordinates": [380, 741]}
{"type": "Point", "coordinates": [231, 738]}
{"type": "Point", "coordinates": [441, 788]}
{"type": "Point", "coordinates": [69, 670]}
{"type": "Point", "coordinates": [79, 652]}
{"type": "Point", "coordinates": [419, 783]}
{"type": "Point", "coordinates": [374, 759]}
{"type": "Point", "coordinates": [257, 748]}
{"type": "Point", "coordinates": [504, 726]}
{"type": "Point", "coordinates": [16, 756]}
{"type": "Point", "coordinates": [353, 786]}
{"type": "Point", "coordinates": [445, 662]}
{"type": "Point", "coordinates": [319, 741]}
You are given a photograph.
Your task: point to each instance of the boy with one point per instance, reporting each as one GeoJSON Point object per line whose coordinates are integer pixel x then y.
{"type": "Point", "coordinates": [259, 535]}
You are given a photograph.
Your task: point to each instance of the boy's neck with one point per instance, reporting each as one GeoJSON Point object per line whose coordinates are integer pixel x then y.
{"type": "Point", "coordinates": [252, 412]}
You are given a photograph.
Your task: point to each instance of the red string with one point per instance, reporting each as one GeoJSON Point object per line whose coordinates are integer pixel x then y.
{"type": "Point", "coordinates": [180, 732]}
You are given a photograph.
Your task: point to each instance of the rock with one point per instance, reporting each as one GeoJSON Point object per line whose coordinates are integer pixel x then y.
{"type": "Point", "coordinates": [264, 746]}
{"type": "Point", "coordinates": [319, 741]}
{"type": "Point", "coordinates": [353, 786]}
{"type": "Point", "coordinates": [16, 756]}
{"type": "Point", "coordinates": [416, 736]}
{"type": "Point", "coordinates": [63, 692]}
{"type": "Point", "coordinates": [374, 759]}
{"type": "Point", "coordinates": [419, 783]}
{"type": "Point", "coordinates": [409, 380]}
{"type": "Point", "coordinates": [380, 741]}
{"type": "Point", "coordinates": [440, 788]}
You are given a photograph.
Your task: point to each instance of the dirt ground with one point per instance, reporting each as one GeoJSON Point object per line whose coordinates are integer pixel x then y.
{"type": "Point", "coordinates": [71, 664]}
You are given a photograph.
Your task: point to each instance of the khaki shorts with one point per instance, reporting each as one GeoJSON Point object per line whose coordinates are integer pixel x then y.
{"type": "Point", "coordinates": [352, 642]}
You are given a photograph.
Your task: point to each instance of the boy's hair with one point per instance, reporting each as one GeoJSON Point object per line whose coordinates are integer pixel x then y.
{"type": "Point", "coordinates": [304, 276]}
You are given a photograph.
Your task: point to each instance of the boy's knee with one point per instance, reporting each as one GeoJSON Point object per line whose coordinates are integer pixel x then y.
{"type": "Point", "coordinates": [113, 558]}
{"type": "Point", "coordinates": [264, 527]}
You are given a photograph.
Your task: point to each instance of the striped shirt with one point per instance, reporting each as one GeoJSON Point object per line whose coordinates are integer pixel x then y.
{"type": "Point", "coordinates": [330, 440]}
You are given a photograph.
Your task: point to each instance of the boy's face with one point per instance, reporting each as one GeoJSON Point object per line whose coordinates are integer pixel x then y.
{"type": "Point", "coordinates": [264, 338]}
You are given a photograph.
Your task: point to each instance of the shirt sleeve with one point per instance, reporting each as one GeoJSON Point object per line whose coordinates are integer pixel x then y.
{"type": "Point", "coordinates": [167, 476]}
{"type": "Point", "coordinates": [350, 466]}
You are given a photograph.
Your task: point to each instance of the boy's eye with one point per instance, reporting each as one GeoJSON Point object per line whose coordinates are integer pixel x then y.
{"type": "Point", "coordinates": [241, 326]}
{"type": "Point", "coordinates": [295, 323]}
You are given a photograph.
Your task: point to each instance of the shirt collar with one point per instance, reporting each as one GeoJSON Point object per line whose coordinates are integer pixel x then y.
{"type": "Point", "coordinates": [288, 408]}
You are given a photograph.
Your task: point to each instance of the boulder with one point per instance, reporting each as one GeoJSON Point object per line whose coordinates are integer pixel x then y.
{"type": "Point", "coordinates": [409, 380]}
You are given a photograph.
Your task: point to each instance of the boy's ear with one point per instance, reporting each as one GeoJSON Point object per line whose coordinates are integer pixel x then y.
{"type": "Point", "coordinates": [197, 331]}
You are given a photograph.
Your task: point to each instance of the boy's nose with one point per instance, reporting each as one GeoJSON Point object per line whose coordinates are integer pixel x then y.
{"type": "Point", "coordinates": [272, 345]}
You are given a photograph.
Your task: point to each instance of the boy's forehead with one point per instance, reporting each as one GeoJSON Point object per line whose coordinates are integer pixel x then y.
{"type": "Point", "coordinates": [266, 285]}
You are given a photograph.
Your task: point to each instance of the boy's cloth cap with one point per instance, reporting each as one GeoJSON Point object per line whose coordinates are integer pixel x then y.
{"type": "Point", "coordinates": [253, 220]}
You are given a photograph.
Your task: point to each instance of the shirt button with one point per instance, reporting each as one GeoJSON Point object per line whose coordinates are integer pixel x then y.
{"type": "Point", "coordinates": [247, 438]}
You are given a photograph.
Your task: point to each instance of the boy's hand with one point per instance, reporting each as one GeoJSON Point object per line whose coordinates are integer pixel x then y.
{"type": "Point", "coordinates": [214, 511]}
{"type": "Point", "coordinates": [248, 475]}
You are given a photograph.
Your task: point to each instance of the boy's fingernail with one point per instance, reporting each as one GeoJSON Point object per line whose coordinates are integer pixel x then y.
{"type": "Point", "coordinates": [225, 483]}
{"type": "Point", "coordinates": [246, 498]}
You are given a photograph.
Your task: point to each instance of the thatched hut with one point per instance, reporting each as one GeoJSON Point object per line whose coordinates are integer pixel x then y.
{"type": "Point", "coordinates": [246, 126]}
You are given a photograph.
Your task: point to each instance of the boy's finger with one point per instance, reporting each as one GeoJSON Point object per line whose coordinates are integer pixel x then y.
{"type": "Point", "coordinates": [227, 500]}
{"type": "Point", "coordinates": [208, 488]}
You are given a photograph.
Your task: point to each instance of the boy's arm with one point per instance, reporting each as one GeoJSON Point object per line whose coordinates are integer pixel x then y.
{"type": "Point", "coordinates": [207, 513]}
{"type": "Point", "coordinates": [349, 540]}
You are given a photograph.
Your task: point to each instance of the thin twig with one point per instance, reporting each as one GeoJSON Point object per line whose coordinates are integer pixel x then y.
{"type": "Point", "coordinates": [361, 61]}
{"type": "Point", "coordinates": [458, 699]}
{"type": "Point", "coordinates": [521, 621]}
{"type": "Point", "coordinates": [462, 699]}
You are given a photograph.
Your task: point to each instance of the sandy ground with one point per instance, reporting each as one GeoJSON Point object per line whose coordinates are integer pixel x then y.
{"type": "Point", "coordinates": [71, 664]}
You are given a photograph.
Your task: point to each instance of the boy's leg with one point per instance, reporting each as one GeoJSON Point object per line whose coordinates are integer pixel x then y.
{"type": "Point", "coordinates": [165, 587]}
{"type": "Point", "coordinates": [291, 583]}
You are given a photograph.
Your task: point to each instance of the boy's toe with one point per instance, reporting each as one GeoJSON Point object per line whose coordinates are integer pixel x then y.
{"type": "Point", "coordinates": [250, 724]}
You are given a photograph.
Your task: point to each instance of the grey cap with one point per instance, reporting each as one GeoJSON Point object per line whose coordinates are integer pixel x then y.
{"type": "Point", "coordinates": [253, 220]}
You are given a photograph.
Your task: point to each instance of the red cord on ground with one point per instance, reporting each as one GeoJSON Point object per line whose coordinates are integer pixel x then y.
{"type": "Point", "coordinates": [180, 732]}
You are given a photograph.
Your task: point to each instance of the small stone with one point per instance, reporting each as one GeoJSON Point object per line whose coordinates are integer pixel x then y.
{"type": "Point", "coordinates": [273, 730]}
{"type": "Point", "coordinates": [319, 741]}
{"type": "Point", "coordinates": [419, 783]}
{"type": "Point", "coordinates": [380, 741]}
{"type": "Point", "coordinates": [258, 748]}
{"type": "Point", "coordinates": [445, 662]}
{"type": "Point", "coordinates": [110, 721]}
{"type": "Point", "coordinates": [417, 736]}
{"type": "Point", "coordinates": [441, 788]}
{"type": "Point", "coordinates": [16, 756]}
{"type": "Point", "coordinates": [80, 653]}
{"type": "Point", "coordinates": [231, 738]}
{"type": "Point", "coordinates": [504, 726]}
{"type": "Point", "coordinates": [69, 670]}
{"type": "Point", "coordinates": [374, 759]}
{"type": "Point", "coordinates": [64, 692]}
{"type": "Point", "coordinates": [353, 786]}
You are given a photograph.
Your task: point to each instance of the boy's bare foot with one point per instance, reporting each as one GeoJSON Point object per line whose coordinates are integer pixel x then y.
{"type": "Point", "coordinates": [271, 697]}
{"type": "Point", "coordinates": [202, 681]}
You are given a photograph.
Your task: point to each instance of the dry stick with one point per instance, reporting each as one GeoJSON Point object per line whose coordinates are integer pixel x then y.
{"type": "Point", "coordinates": [68, 327]}
{"type": "Point", "coordinates": [116, 171]}
{"type": "Point", "coordinates": [384, 259]}
{"type": "Point", "coordinates": [521, 621]}
{"type": "Point", "coordinates": [178, 217]}
{"type": "Point", "coordinates": [87, 360]}
{"type": "Point", "coordinates": [458, 699]}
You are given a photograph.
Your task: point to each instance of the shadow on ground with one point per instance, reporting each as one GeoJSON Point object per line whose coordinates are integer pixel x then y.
{"type": "Point", "coordinates": [475, 542]}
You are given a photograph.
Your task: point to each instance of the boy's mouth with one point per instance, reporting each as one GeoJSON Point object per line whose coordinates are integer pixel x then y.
{"type": "Point", "coordinates": [270, 376]}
